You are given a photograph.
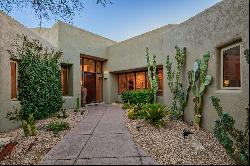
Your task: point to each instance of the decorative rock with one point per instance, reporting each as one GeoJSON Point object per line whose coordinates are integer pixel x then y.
{"type": "Point", "coordinates": [5, 141]}
{"type": "Point", "coordinates": [167, 146]}
{"type": "Point", "coordinates": [197, 145]}
{"type": "Point", "coordinates": [22, 154]}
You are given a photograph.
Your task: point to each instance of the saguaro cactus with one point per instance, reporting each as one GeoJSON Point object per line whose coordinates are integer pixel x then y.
{"type": "Point", "coordinates": [199, 80]}
{"type": "Point", "coordinates": [153, 77]}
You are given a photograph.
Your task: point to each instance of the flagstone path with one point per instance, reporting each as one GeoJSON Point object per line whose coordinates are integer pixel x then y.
{"type": "Point", "coordinates": [101, 138]}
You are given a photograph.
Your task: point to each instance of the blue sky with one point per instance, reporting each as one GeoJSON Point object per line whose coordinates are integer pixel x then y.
{"type": "Point", "coordinates": [126, 18]}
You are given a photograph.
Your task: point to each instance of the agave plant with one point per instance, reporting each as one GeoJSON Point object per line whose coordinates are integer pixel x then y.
{"type": "Point", "coordinates": [199, 80]}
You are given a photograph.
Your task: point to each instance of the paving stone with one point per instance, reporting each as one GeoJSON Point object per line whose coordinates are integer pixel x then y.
{"type": "Point", "coordinates": [113, 118]}
{"type": "Point", "coordinates": [65, 162]}
{"type": "Point", "coordinates": [47, 162]}
{"type": "Point", "coordinates": [68, 148]}
{"type": "Point", "coordinates": [113, 145]}
{"type": "Point", "coordinates": [109, 161]}
{"type": "Point", "coordinates": [84, 128]}
{"type": "Point", "coordinates": [91, 118]}
{"type": "Point", "coordinates": [110, 128]}
{"type": "Point", "coordinates": [142, 153]}
{"type": "Point", "coordinates": [148, 161]}
{"type": "Point", "coordinates": [109, 142]}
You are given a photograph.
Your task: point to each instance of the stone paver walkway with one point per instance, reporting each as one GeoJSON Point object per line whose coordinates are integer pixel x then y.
{"type": "Point", "coordinates": [100, 138]}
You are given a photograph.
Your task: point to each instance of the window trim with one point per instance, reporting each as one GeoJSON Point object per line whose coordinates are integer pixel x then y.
{"type": "Point", "coordinates": [222, 66]}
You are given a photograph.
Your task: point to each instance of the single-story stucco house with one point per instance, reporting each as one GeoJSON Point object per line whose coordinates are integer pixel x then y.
{"type": "Point", "coordinates": [108, 68]}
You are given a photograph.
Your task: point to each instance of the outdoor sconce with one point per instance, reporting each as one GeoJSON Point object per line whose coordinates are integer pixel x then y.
{"type": "Point", "coordinates": [105, 75]}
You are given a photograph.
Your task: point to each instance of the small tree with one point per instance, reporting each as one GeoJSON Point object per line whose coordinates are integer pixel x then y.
{"type": "Point", "coordinates": [39, 79]}
{"type": "Point", "coordinates": [152, 76]}
{"type": "Point", "coordinates": [48, 9]}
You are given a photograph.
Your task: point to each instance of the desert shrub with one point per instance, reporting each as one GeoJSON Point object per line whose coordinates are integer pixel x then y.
{"type": "Point", "coordinates": [131, 114]}
{"type": "Point", "coordinates": [32, 125]}
{"type": "Point", "coordinates": [77, 104]}
{"type": "Point", "coordinates": [28, 125]}
{"type": "Point", "coordinates": [154, 113]}
{"type": "Point", "coordinates": [126, 106]}
{"type": "Point", "coordinates": [58, 126]}
{"type": "Point", "coordinates": [138, 97]}
{"type": "Point", "coordinates": [39, 78]}
{"type": "Point", "coordinates": [134, 111]}
{"type": "Point", "coordinates": [62, 114]}
{"type": "Point", "coordinates": [25, 128]}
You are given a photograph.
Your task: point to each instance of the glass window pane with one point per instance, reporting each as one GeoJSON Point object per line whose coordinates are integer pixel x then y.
{"type": "Point", "coordinates": [160, 82]}
{"type": "Point", "coordinates": [98, 67]}
{"type": "Point", "coordinates": [148, 86]}
{"type": "Point", "coordinates": [122, 83]}
{"type": "Point", "coordinates": [130, 81]}
{"type": "Point", "coordinates": [231, 67]}
{"type": "Point", "coordinates": [64, 80]}
{"type": "Point", "coordinates": [140, 80]}
{"type": "Point", "coordinates": [13, 80]}
{"type": "Point", "coordinates": [89, 65]}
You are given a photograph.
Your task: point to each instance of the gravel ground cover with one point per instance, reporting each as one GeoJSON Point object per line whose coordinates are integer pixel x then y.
{"type": "Point", "coordinates": [24, 153]}
{"type": "Point", "coordinates": [168, 146]}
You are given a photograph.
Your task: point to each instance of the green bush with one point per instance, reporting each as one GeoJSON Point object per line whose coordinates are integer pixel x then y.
{"type": "Point", "coordinates": [131, 114]}
{"type": "Point", "coordinates": [134, 111]}
{"type": "Point", "coordinates": [138, 97]}
{"type": "Point", "coordinates": [58, 126]}
{"type": "Point", "coordinates": [154, 113]}
{"type": "Point", "coordinates": [39, 79]}
{"type": "Point", "coordinates": [126, 106]}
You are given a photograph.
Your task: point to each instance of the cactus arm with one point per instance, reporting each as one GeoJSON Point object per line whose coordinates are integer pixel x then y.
{"type": "Point", "coordinates": [149, 68]}
{"type": "Point", "coordinates": [205, 84]}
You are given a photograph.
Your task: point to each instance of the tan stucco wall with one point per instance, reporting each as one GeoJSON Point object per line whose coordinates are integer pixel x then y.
{"type": "Point", "coordinates": [131, 54]}
{"type": "Point", "coordinates": [74, 41]}
{"type": "Point", "coordinates": [9, 28]}
{"type": "Point", "coordinates": [218, 26]}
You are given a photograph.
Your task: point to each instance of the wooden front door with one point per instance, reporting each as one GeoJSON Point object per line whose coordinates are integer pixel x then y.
{"type": "Point", "coordinates": [90, 84]}
{"type": "Point", "coordinates": [91, 70]}
{"type": "Point", "coordinates": [99, 88]}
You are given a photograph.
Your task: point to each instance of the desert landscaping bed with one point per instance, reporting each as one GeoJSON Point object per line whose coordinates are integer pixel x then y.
{"type": "Point", "coordinates": [30, 150]}
{"type": "Point", "coordinates": [168, 146]}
